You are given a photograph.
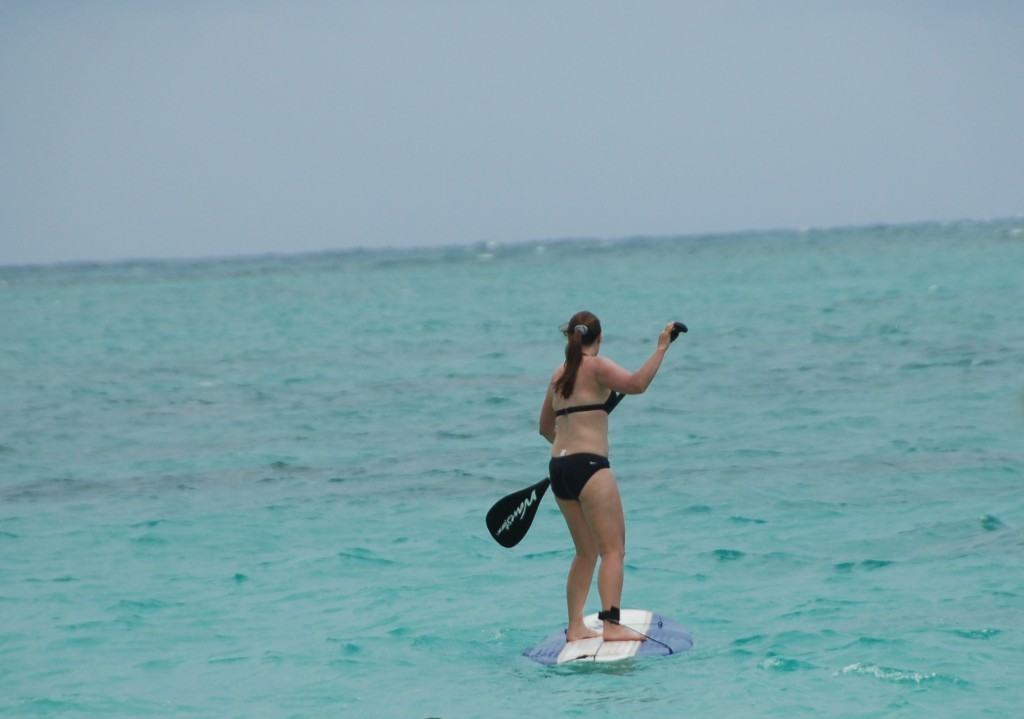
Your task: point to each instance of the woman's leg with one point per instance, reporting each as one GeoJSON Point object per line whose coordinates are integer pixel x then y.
{"type": "Point", "coordinates": [581, 572]}
{"type": "Point", "coordinates": [602, 508]}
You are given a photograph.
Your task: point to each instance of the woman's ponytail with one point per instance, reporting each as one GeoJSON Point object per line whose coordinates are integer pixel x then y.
{"type": "Point", "coordinates": [582, 330]}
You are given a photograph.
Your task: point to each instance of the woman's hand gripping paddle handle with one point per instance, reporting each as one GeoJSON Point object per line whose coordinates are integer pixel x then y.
{"type": "Point", "coordinates": [677, 327]}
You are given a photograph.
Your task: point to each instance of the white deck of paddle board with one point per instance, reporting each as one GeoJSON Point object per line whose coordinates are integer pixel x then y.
{"type": "Point", "coordinates": [597, 649]}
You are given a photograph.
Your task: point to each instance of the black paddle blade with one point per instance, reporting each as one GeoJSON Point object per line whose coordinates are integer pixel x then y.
{"type": "Point", "coordinates": [510, 517]}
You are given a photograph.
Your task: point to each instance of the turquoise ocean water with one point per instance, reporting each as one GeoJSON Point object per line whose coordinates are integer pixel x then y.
{"type": "Point", "coordinates": [256, 487]}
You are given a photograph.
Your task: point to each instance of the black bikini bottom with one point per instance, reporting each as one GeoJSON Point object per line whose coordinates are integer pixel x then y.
{"type": "Point", "coordinates": [571, 472]}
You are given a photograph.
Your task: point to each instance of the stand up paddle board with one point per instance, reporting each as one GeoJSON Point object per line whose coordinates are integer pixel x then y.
{"type": "Point", "coordinates": [664, 638]}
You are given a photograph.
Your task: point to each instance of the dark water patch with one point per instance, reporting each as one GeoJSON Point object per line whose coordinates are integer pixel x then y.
{"type": "Point", "coordinates": [796, 636]}
{"type": "Point", "coordinates": [65, 578]}
{"type": "Point", "coordinates": [727, 555]}
{"type": "Point", "coordinates": [240, 578]}
{"type": "Point", "coordinates": [154, 665]}
{"type": "Point", "coordinates": [428, 641]}
{"type": "Point", "coordinates": [301, 596]}
{"type": "Point", "coordinates": [740, 519]}
{"type": "Point", "coordinates": [452, 434]}
{"type": "Point", "coordinates": [698, 509]}
{"type": "Point", "coordinates": [915, 366]}
{"type": "Point", "coordinates": [977, 634]}
{"type": "Point", "coordinates": [80, 642]}
{"type": "Point", "coordinates": [271, 480]}
{"type": "Point", "coordinates": [270, 657]}
{"type": "Point", "coordinates": [671, 411]}
{"type": "Point", "coordinates": [152, 540]}
{"type": "Point", "coordinates": [58, 488]}
{"type": "Point", "coordinates": [497, 401]}
{"type": "Point", "coordinates": [148, 523]}
{"type": "Point", "coordinates": [8, 535]}
{"type": "Point", "coordinates": [819, 510]}
{"type": "Point", "coordinates": [756, 452]}
{"type": "Point", "coordinates": [894, 675]}
{"type": "Point", "coordinates": [365, 556]}
{"type": "Point", "coordinates": [46, 707]}
{"type": "Point", "coordinates": [867, 565]}
{"type": "Point", "coordinates": [547, 554]}
{"type": "Point", "coordinates": [344, 663]}
{"type": "Point", "coordinates": [743, 641]}
{"type": "Point", "coordinates": [228, 659]}
{"type": "Point", "coordinates": [866, 641]}
{"type": "Point", "coordinates": [883, 329]}
{"type": "Point", "coordinates": [285, 466]}
{"type": "Point", "coordinates": [6, 449]}
{"type": "Point", "coordinates": [789, 557]}
{"type": "Point", "coordinates": [83, 626]}
{"type": "Point", "coordinates": [821, 607]}
{"type": "Point", "coordinates": [991, 523]}
{"type": "Point", "coordinates": [144, 605]}
{"type": "Point", "coordinates": [872, 564]}
{"type": "Point", "coordinates": [453, 472]}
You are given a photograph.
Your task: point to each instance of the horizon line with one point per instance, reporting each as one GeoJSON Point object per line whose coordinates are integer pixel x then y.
{"type": "Point", "coordinates": [493, 244]}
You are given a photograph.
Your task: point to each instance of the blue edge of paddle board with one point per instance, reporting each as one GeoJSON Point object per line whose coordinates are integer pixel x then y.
{"type": "Point", "coordinates": [674, 640]}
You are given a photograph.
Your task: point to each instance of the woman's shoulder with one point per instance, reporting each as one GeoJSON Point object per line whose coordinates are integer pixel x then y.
{"type": "Point", "coordinates": [598, 363]}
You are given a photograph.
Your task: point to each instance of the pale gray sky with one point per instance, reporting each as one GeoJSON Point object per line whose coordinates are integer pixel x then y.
{"type": "Point", "coordinates": [141, 129]}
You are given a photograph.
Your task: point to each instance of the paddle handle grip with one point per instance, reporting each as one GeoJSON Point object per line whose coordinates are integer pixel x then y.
{"type": "Point", "coordinates": [677, 327]}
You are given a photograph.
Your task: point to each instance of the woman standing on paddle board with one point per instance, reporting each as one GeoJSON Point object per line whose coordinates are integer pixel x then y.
{"type": "Point", "coordinates": [574, 418]}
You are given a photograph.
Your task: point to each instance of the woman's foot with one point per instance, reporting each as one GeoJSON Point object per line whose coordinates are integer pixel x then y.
{"type": "Point", "coordinates": [579, 630]}
{"type": "Point", "coordinates": [619, 633]}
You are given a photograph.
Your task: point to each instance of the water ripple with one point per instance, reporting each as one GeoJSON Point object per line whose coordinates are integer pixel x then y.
{"type": "Point", "coordinates": [900, 676]}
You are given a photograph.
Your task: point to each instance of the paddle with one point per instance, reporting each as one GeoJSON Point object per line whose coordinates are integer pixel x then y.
{"type": "Point", "coordinates": [510, 518]}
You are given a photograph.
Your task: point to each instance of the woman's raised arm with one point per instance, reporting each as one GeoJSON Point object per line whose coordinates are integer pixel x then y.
{"type": "Point", "coordinates": [622, 380]}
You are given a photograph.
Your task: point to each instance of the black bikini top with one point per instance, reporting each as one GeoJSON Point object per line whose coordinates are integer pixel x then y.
{"type": "Point", "coordinates": [608, 405]}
